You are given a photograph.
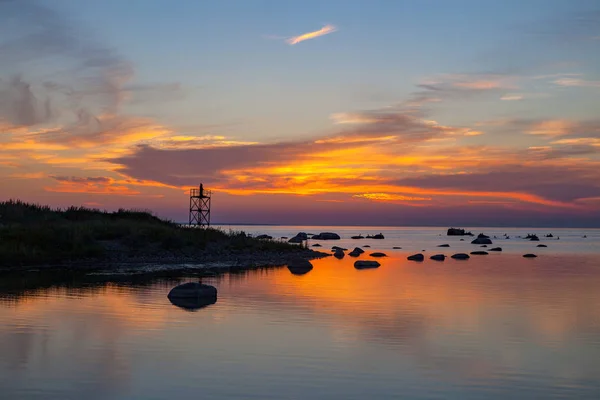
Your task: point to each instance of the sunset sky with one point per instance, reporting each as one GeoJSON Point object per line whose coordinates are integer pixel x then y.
{"type": "Point", "coordinates": [346, 112]}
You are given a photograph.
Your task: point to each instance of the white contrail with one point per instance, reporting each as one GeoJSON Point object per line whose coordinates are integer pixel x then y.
{"type": "Point", "coordinates": [311, 35]}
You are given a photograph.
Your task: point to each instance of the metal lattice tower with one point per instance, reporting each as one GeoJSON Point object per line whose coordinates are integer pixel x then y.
{"type": "Point", "coordinates": [200, 207]}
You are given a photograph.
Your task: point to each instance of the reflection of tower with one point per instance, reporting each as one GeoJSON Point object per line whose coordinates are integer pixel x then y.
{"type": "Point", "coordinates": [200, 207]}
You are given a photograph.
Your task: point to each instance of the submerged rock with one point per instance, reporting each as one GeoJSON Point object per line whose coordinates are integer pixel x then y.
{"type": "Point", "coordinates": [483, 245]}
{"type": "Point", "coordinates": [479, 253]}
{"type": "Point", "coordinates": [416, 257]}
{"type": "Point", "coordinates": [460, 256]}
{"type": "Point", "coordinates": [300, 266]}
{"type": "Point", "coordinates": [529, 255]}
{"type": "Point", "coordinates": [396, 247]}
{"type": "Point", "coordinates": [378, 254]}
{"type": "Point", "coordinates": [495, 249]}
{"type": "Point", "coordinates": [362, 264]}
{"type": "Point", "coordinates": [334, 248]}
{"type": "Point", "coordinates": [438, 257]}
{"type": "Point", "coordinates": [541, 245]}
{"type": "Point", "coordinates": [443, 245]}
{"type": "Point", "coordinates": [192, 304]}
{"type": "Point", "coordinates": [366, 245]}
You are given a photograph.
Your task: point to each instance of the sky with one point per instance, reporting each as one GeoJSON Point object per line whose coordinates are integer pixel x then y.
{"type": "Point", "coordinates": [433, 112]}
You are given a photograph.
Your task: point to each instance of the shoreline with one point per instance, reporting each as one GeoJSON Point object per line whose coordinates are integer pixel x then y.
{"type": "Point", "coordinates": [215, 263]}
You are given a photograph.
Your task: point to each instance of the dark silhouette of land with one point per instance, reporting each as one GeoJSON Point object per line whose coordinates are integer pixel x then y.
{"type": "Point", "coordinates": [78, 237]}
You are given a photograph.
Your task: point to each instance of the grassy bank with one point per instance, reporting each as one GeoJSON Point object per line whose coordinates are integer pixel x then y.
{"type": "Point", "coordinates": [32, 234]}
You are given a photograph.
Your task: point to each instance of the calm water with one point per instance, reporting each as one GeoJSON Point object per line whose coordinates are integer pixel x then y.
{"type": "Point", "coordinates": [497, 326]}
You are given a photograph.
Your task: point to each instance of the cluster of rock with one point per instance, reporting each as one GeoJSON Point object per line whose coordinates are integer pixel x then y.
{"type": "Point", "coordinates": [458, 232]}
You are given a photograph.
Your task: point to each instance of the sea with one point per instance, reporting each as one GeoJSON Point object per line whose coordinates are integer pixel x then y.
{"type": "Point", "coordinates": [496, 326]}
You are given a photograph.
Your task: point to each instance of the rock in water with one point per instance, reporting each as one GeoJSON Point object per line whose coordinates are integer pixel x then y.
{"type": "Point", "coordinates": [481, 240]}
{"type": "Point", "coordinates": [458, 232]}
{"type": "Point", "coordinates": [396, 247]}
{"type": "Point", "coordinates": [366, 245]}
{"type": "Point", "coordinates": [479, 253]}
{"type": "Point", "coordinates": [460, 256]}
{"type": "Point", "coordinates": [327, 236]}
{"type": "Point", "coordinates": [193, 290]}
{"type": "Point", "coordinates": [416, 257]}
{"type": "Point", "coordinates": [541, 245]}
{"type": "Point", "coordinates": [529, 255]}
{"type": "Point", "coordinates": [316, 245]}
{"type": "Point", "coordinates": [296, 239]}
{"type": "Point", "coordinates": [438, 257]}
{"type": "Point", "coordinates": [496, 249]}
{"type": "Point", "coordinates": [300, 266]}
{"type": "Point", "coordinates": [339, 253]}
{"type": "Point", "coordinates": [264, 237]}
{"type": "Point", "coordinates": [362, 264]}
{"type": "Point", "coordinates": [378, 254]}
{"type": "Point", "coordinates": [356, 252]}
{"type": "Point", "coordinates": [357, 237]}
{"type": "Point", "coordinates": [444, 245]}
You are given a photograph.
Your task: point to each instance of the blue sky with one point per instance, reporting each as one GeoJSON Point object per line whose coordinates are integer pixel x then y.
{"type": "Point", "coordinates": [421, 108]}
{"type": "Point", "coordinates": [232, 72]}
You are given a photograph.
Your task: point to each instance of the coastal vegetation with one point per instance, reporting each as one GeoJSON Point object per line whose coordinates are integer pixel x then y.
{"type": "Point", "coordinates": [35, 235]}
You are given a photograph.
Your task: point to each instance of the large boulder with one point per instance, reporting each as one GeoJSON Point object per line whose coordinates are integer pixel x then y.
{"type": "Point", "coordinates": [438, 257]}
{"type": "Point", "coordinates": [300, 266]}
{"type": "Point", "coordinates": [193, 290]}
{"type": "Point", "coordinates": [416, 257]}
{"type": "Point", "coordinates": [362, 264]}
{"type": "Point", "coordinates": [327, 236]}
{"type": "Point", "coordinates": [460, 256]}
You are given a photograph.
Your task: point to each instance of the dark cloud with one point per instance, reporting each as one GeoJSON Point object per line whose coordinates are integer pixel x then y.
{"type": "Point", "coordinates": [53, 71]}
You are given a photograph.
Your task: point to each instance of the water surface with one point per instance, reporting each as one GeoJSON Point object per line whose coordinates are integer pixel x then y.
{"type": "Point", "coordinates": [497, 326]}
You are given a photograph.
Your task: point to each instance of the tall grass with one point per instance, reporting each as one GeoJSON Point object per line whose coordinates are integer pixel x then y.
{"type": "Point", "coordinates": [37, 234]}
